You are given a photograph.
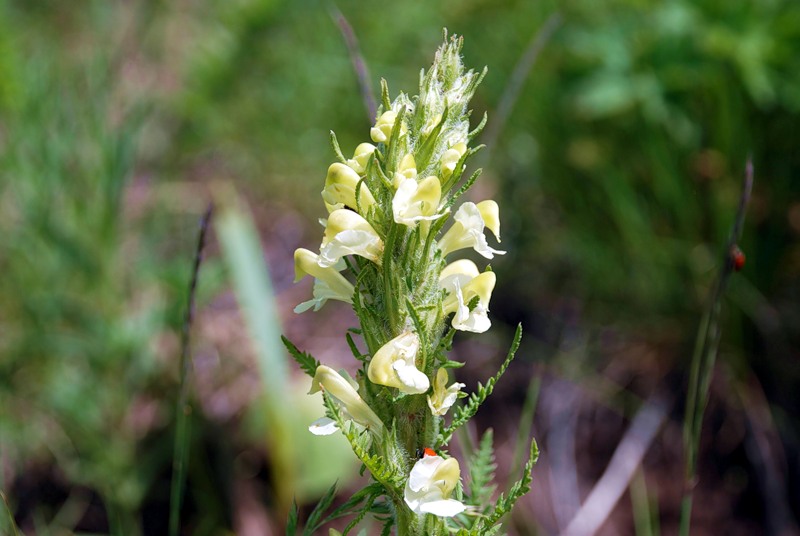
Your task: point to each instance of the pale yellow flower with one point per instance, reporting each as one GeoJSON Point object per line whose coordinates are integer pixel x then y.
{"type": "Point", "coordinates": [462, 282]}
{"type": "Point", "coordinates": [417, 201]}
{"type": "Point", "coordinates": [329, 284]}
{"type": "Point", "coordinates": [343, 393]}
{"type": "Point", "coordinates": [347, 233]}
{"type": "Point", "coordinates": [443, 398]}
{"type": "Point", "coordinates": [406, 170]}
{"type": "Point", "coordinates": [430, 484]}
{"type": "Point", "coordinates": [340, 189]}
{"type": "Point", "coordinates": [382, 130]}
{"type": "Point", "coordinates": [360, 158]}
{"type": "Point", "coordinates": [467, 231]}
{"type": "Point", "coordinates": [394, 365]}
{"type": "Point", "coordinates": [451, 157]}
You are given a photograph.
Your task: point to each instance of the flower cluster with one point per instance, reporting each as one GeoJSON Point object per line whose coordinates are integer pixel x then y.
{"type": "Point", "coordinates": [390, 236]}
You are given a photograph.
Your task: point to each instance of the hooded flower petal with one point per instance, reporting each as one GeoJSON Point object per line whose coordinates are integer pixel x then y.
{"type": "Point", "coordinates": [467, 231]}
{"type": "Point", "coordinates": [394, 365]}
{"type": "Point", "coordinates": [331, 284]}
{"type": "Point", "coordinates": [340, 189]}
{"type": "Point", "coordinates": [417, 201]}
{"type": "Point", "coordinates": [382, 130]}
{"type": "Point", "coordinates": [360, 158]}
{"type": "Point", "coordinates": [462, 287]}
{"type": "Point", "coordinates": [451, 157]}
{"type": "Point", "coordinates": [430, 484]}
{"type": "Point", "coordinates": [406, 170]}
{"type": "Point", "coordinates": [343, 393]}
{"type": "Point", "coordinates": [347, 233]}
{"type": "Point", "coordinates": [443, 397]}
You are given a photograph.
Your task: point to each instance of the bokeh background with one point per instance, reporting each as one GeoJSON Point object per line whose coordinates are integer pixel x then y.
{"type": "Point", "coordinates": [618, 135]}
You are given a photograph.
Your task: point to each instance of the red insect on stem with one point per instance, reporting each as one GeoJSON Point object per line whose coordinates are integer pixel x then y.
{"type": "Point", "coordinates": [737, 258]}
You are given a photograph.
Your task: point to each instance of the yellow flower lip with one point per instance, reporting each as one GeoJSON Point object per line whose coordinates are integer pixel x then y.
{"type": "Point", "coordinates": [451, 157]}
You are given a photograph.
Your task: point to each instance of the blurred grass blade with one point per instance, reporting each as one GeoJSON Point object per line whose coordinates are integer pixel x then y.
{"type": "Point", "coordinates": [705, 355]}
{"type": "Point", "coordinates": [9, 515]}
{"type": "Point", "coordinates": [183, 408]}
{"type": "Point", "coordinates": [244, 259]}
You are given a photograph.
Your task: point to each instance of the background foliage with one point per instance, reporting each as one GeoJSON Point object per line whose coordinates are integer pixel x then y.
{"type": "Point", "coordinates": [618, 167]}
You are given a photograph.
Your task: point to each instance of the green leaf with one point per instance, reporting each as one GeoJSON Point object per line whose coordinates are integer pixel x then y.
{"type": "Point", "coordinates": [518, 489]}
{"type": "Point", "coordinates": [481, 470]}
{"type": "Point", "coordinates": [336, 149]}
{"type": "Point", "coordinates": [464, 413]}
{"type": "Point", "coordinates": [304, 359]}
{"type": "Point", "coordinates": [291, 522]}
{"type": "Point", "coordinates": [324, 503]}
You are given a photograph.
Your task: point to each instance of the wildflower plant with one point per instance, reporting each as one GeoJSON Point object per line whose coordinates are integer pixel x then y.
{"type": "Point", "coordinates": [393, 231]}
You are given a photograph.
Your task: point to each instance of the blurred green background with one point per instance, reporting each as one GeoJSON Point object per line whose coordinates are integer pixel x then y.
{"type": "Point", "coordinates": [618, 135]}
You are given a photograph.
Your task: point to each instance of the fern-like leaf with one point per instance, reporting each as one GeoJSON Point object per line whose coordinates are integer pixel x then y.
{"type": "Point", "coordinates": [324, 503]}
{"type": "Point", "coordinates": [464, 413]}
{"type": "Point", "coordinates": [304, 359]}
{"type": "Point", "coordinates": [388, 476]}
{"type": "Point", "coordinates": [518, 489]}
{"type": "Point", "coordinates": [481, 469]}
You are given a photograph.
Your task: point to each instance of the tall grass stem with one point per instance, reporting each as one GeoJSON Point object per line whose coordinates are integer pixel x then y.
{"type": "Point", "coordinates": [705, 354]}
{"type": "Point", "coordinates": [183, 408]}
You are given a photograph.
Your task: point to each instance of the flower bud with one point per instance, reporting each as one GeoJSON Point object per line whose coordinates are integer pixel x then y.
{"type": "Point", "coordinates": [382, 130]}
{"type": "Point", "coordinates": [340, 189]}
{"type": "Point", "coordinates": [451, 157]}
{"type": "Point", "coordinates": [360, 158]}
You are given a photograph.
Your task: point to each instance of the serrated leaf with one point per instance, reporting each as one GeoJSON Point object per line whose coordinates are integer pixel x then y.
{"type": "Point", "coordinates": [324, 503]}
{"type": "Point", "coordinates": [464, 413]}
{"type": "Point", "coordinates": [306, 361]}
{"type": "Point", "coordinates": [481, 469]}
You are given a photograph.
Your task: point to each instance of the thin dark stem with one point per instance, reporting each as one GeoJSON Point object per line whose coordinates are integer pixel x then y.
{"type": "Point", "coordinates": [359, 65]}
{"type": "Point", "coordinates": [9, 513]}
{"type": "Point", "coordinates": [183, 407]}
{"type": "Point", "coordinates": [512, 90]}
{"type": "Point", "coordinates": [705, 353]}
